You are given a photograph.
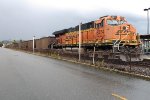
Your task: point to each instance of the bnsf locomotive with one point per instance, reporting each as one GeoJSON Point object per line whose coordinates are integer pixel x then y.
{"type": "Point", "coordinates": [110, 37]}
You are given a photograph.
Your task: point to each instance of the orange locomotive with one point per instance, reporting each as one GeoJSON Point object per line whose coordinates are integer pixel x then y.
{"type": "Point", "coordinates": [108, 33]}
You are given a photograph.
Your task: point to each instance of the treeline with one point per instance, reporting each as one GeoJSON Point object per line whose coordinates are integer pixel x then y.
{"type": "Point", "coordinates": [7, 42]}
{"type": "Point", "coordinates": [1, 44]}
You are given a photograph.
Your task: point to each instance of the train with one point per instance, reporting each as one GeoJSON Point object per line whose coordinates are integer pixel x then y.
{"type": "Point", "coordinates": [109, 37]}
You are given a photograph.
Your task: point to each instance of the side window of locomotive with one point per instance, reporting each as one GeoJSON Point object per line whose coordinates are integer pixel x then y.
{"type": "Point", "coordinates": [122, 22]}
{"type": "Point", "coordinates": [115, 22]}
{"type": "Point", "coordinates": [102, 23]}
{"type": "Point", "coordinates": [99, 25]}
{"type": "Point", "coordinates": [112, 22]}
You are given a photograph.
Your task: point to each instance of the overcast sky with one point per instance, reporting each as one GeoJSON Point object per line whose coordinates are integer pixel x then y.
{"type": "Point", "coordinates": [22, 19]}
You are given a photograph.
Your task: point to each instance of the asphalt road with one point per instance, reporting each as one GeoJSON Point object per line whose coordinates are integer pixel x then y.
{"type": "Point", "coordinates": [29, 77]}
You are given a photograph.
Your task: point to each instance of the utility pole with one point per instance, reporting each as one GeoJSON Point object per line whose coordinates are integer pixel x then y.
{"type": "Point", "coordinates": [33, 43]}
{"type": "Point", "coordinates": [130, 59]}
{"type": "Point", "coordinates": [80, 42]}
{"type": "Point", "coordinates": [147, 9]}
{"type": "Point", "coordinates": [94, 56]}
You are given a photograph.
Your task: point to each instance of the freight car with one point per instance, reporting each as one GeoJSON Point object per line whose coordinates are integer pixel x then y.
{"type": "Point", "coordinates": [109, 37]}
{"type": "Point", "coordinates": [44, 43]}
{"type": "Point", "coordinates": [40, 44]}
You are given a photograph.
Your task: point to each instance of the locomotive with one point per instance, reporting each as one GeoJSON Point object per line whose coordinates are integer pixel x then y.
{"type": "Point", "coordinates": [109, 37]}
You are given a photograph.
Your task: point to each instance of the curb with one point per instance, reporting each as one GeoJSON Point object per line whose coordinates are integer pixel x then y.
{"type": "Point", "coordinates": [102, 68]}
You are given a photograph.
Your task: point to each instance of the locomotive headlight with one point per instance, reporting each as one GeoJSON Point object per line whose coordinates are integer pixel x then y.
{"type": "Point", "coordinates": [125, 27]}
{"type": "Point", "coordinates": [128, 27]}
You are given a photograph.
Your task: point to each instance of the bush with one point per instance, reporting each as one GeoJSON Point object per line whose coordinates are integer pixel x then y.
{"type": "Point", "coordinates": [1, 44]}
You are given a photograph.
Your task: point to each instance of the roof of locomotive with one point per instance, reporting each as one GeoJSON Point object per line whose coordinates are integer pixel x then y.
{"type": "Point", "coordinates": [84, 26]}
{"type": "Point", "coordinates": [47, 37]}
{"type": "Point", "coordinates": [76, 28]}
{"type": "Point", "coordinates": [113, 17]}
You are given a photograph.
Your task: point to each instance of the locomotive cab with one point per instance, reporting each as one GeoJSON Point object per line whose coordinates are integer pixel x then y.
{"type": "Point", "coordinates": [119, 30]}
{"type": "Point", "coordinates": [121, 36]}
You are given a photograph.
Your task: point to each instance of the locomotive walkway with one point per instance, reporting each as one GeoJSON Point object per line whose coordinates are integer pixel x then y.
{"type": "Point", "coordinates": [29, 77]}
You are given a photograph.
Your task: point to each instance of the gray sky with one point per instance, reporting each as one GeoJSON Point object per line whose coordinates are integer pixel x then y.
{"type": "Point", "coordinates": [22, 19]}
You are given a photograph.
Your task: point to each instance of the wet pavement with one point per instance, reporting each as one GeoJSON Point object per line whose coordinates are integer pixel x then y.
{"type": "Point", "coordinates": [29, 77]}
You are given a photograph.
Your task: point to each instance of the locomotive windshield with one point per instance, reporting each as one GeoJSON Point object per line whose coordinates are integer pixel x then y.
{"type": "Point", "coordinates": [115, 22]}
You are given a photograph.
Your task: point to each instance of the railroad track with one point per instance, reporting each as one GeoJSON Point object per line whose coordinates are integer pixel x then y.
{"type": "Point", "coordinates": [85, 56]}
{"type": "Point", "coordinates": [144, 63]}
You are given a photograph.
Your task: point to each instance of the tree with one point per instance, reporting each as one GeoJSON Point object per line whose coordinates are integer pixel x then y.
{"type": "Point", "coordinates": [14, 41]}
{"type": "Point", "coordinates": [1, 44]}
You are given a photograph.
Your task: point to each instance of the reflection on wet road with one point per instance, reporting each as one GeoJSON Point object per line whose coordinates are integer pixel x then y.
{"type": "Point", "coordinates": [29, 77]}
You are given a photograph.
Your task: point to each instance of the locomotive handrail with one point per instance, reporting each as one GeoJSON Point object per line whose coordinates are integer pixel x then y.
{"type": "Point", "coordinates": [118, 44]}
{"type": "Point", "coordinates": [117, 40]}
{"type": "Point", "coordinates": [52, 44]}
{"type": "Point", "coordinates": [124, 37]}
